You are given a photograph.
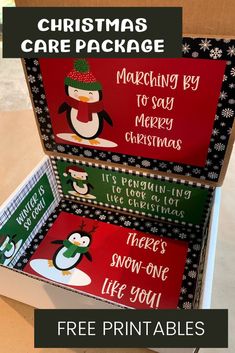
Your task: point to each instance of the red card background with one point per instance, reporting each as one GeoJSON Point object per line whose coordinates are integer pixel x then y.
{"type": "Point", "coordinates": [193, 113]}
{"type": "Point", "coordinates": [109, 239]}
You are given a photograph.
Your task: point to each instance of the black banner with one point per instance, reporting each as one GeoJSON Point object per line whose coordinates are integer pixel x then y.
{"type": "Point", "coordinates": [92, 32]}
{"type": "Point", "coordinates": [131, 328]}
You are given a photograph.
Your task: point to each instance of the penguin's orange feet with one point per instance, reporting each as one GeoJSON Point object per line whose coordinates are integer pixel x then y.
{"type": "Point", "coordinates": [50, 263]}
{"type": "Point", "coordinates": [94, 142]}
{"type": "Point", "coordinates": [77, 138]}
{"type": "Point", "coordinates": [66, 273]}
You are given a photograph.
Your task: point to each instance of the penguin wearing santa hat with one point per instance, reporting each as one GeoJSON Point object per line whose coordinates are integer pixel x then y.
{"type": "Point", "coordinates": [83, 104]}
{"type": "Point", "coordinates": [78, 180]}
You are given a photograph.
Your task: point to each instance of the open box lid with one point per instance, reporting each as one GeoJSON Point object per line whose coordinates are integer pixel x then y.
{"type": "Point", "coordinates": [173, 116]}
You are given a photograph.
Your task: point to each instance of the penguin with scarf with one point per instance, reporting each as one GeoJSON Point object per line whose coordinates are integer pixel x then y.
{"type": "Point", "coordinates": [71, 251]}
{"type": "Point", "coordinates": [83, 104]}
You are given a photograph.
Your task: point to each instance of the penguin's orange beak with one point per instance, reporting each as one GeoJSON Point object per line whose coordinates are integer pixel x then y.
{"type": "Point", "coordinates": [77, 243]}
{"type": "Point", "coordinates": [83, 98]}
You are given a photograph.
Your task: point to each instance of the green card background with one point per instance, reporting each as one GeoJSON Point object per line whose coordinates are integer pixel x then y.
{"type": "Point", "coordinates": [193, 208]}
{"type": "Point", "coordinates": [12, 227]}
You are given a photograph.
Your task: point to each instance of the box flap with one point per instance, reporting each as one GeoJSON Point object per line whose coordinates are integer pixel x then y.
{"type": "Point", "coordinates": [173, 116]}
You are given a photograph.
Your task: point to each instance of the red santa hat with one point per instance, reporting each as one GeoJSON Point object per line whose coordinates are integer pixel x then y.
{"type": "Point", "coordinates": [75, 169]}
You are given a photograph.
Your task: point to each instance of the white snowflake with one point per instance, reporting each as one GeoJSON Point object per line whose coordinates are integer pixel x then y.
{"type": "Point", "coordinates": [196, 171]}
{"type": "Point", "coordinates": [183, 290]}
{"type": "Point", "coordinates": [163, 165]}
{"type": "Point", "coordinates": [31, 78]}
{"type": "Point", "coordinates": [60, 148]}
{"type": "Point", "coordinates": [42, 119]}
{"type": "Point", "coordinates": [145, 163]}
{"type": "Point", "coordinates": [215, 53]}
{"type": "Point", "coordinates": [35, 89]}
{"type": "Point", "coordinates": [79, 211]}
{"type": "Point", "coordinates": [182, 236]}
{"type": "Point", "coordinates": [197, 247]}
{"type": "Point", "coordinates": [232, 85]}
{"type": "Point", "coordinates": [213, 175]}
{"type": "Point", "coordinates": [97, 212]}
{"type": "Point", "coordinates": [38, 110]}
{"type": "Point", "coordinates": [36, 62]}
{"type": "Point", "coordinates": [131, 160]}
{"type": "Point", "coordinates": [154, 229]}
{"type": "Point", "coordinates": [102, 217]}
{"type": "Point", "coordinates": [74, 206]}
{"type": "Point", "coordinates": [43, 96]}
{"type": "Point", "coordinates": [225, 77]}
{"type": "Point", "coordinates": [192, 274]}
{"type": "Point", "coordinates": [232, 71]}
{"type": "Point", "coordinates": [75, 150]}
{"type": "Point", "coordinates": [187, 305]}
{"type": "Point", "coordinates": [219, 147]}
{"type": "Point", "coordinates": [45, 137]}
{"type": "Point", "coordinates": [148, 224]}
{"type": "Point", "coordinates": [115, 158]}
{"type": "Point", "coordinates": [227, 112]}
{"type": "Point", "coordinates": [185, 48]}
{"type": "Point", "coordinates": [215, 132]}
{"type": "Point", "coordinates": [178, 168]}
{"type": "Point", "coordinates": [231, 51]}
{"type": "Point", "coordinates": [40, 77]}
{"type": "Point", "coordinates": [205, 44]}
{"type": "Point", "coordinates": [188, 261]}
{"type": "Point", "coordinates": [127, 223]}
{"type": "Point", "coordinates": [87, 153]}
{"type": "Point", "coordinates": [122, 218]}
{"type": "Point", "coordinates": [102, 154]}
{"type": "Point", "coordinates": [223, 95]}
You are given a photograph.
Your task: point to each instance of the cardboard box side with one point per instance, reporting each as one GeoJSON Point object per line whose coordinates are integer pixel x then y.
{"type": "Point", "coordinates": [199, 16]}
{"type": "Point", "coordinates": [207, 281]}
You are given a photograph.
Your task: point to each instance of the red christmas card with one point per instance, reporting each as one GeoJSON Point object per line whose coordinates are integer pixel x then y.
{"type": "Point", "coordinates": [128, 267]}
{"type": "Point", "coordinates": [160, 109]}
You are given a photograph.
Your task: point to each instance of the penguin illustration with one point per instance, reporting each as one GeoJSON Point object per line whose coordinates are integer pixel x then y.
{"type": "Point", "coordinates": [7, 247]}
{"type": "Point", "coordinates": [83, 104]}
{"type": "Point", "coordinates": [70, 254]}
{"type": "Point", "coordinates": [78, 180]}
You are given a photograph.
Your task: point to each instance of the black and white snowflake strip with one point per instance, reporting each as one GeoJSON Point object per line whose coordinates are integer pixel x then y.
{"type": "Point", "coordinates": [206, 210]}
{"type": "Point", "coordinates": [197, 48]}
{"type": "Point", "coordinates": [193, 236]}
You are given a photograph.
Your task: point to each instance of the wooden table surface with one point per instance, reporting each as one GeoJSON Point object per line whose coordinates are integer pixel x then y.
{"type": "Point", "coordinates": [20, 152]}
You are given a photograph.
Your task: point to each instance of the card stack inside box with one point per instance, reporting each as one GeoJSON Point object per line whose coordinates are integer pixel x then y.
{"type": "Point", "coordinates": [119, 211]}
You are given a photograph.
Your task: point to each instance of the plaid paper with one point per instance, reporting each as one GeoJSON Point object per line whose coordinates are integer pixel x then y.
{"type": "Point", "coordinates": [6, 212]}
